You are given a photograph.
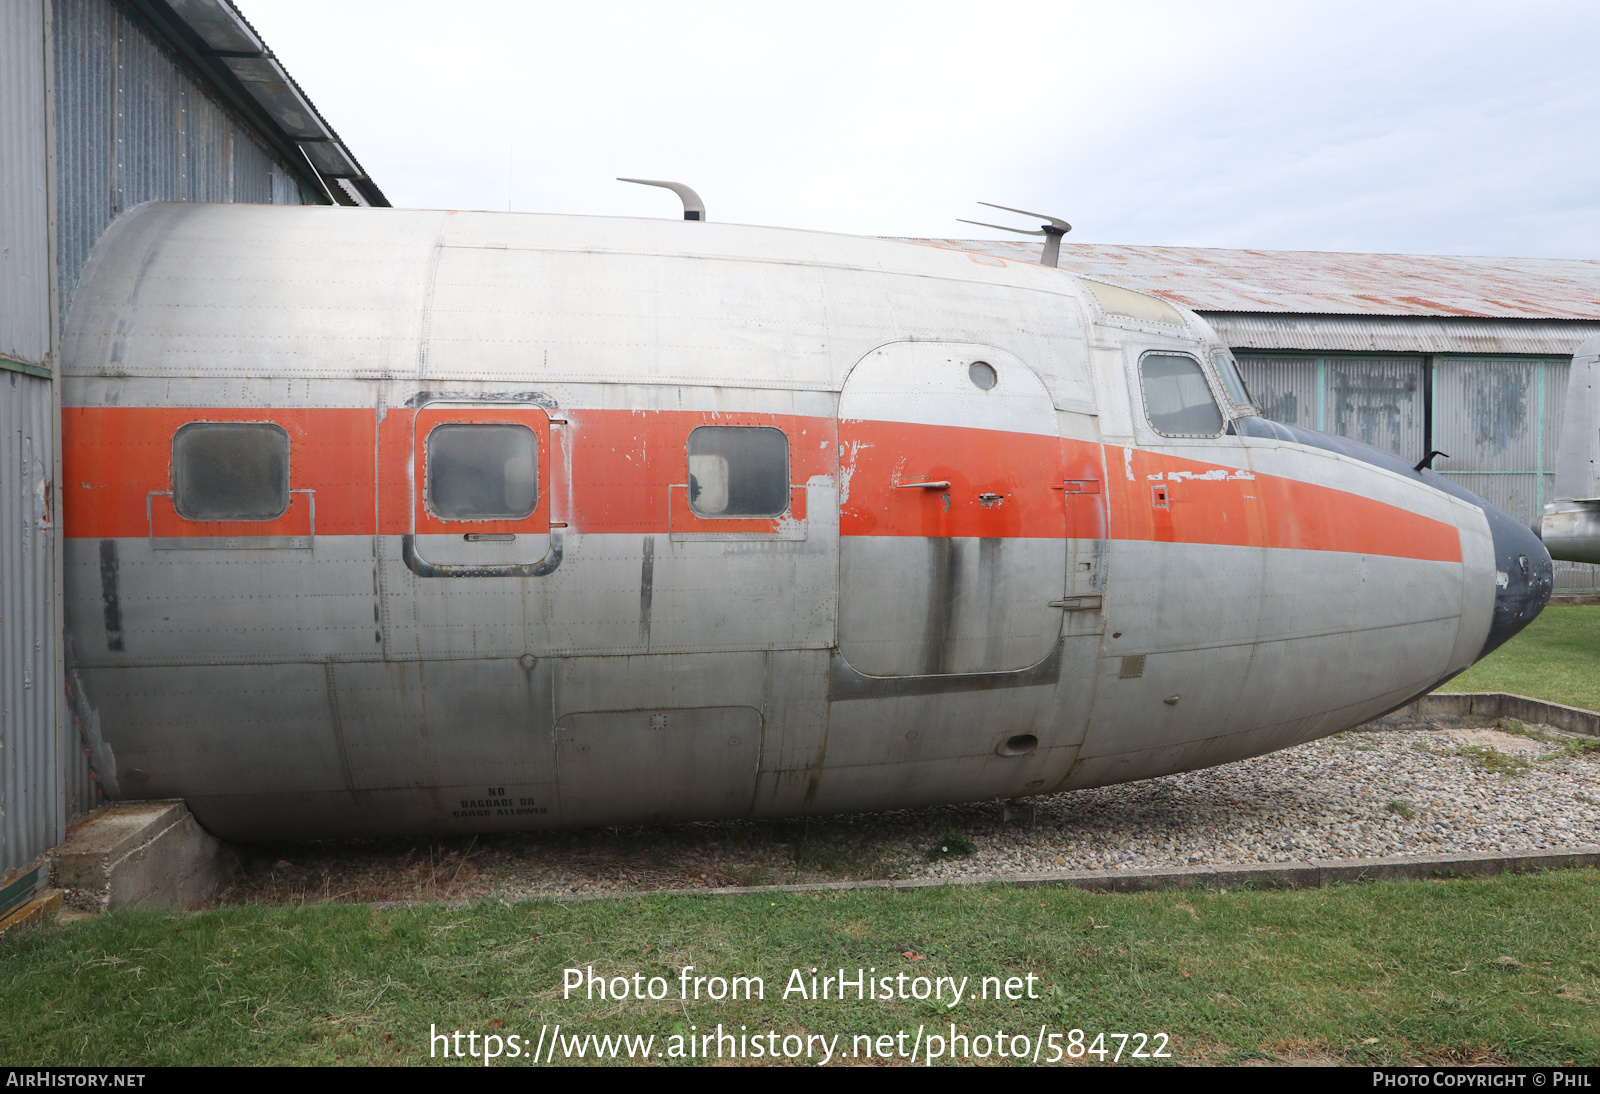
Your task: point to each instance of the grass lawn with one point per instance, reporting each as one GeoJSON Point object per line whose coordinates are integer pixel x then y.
{"type": "Point", "coordinates": [1501, 969]}
{"type": "Point", "coordinates": [1557, 658]}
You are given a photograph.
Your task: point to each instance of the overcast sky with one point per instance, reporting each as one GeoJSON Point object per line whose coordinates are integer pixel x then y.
{"type": "Point", "coordinates": [1442, 128]}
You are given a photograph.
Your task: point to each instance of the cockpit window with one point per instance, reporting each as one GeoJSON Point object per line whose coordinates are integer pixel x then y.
{"type": "Point", "coordinates": [230, 471]}
{"type": "Point", "coordinates": [1177, 398]}
{"type": "Point", "coordinates": [482, 472]}
{"type": "Point", "coordinates": [738, 471]}
{"type": "Point", "coordinates": [1232, 382]}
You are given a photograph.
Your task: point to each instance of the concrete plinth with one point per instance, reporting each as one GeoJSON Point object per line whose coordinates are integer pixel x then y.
{"type": "Point", "coordinates": [139, 855]}
{"type": "Point", "coordinates": [1493, 704]}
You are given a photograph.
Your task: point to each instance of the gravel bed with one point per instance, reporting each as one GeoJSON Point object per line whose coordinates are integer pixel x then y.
{"type": "Point", "coordinates": [1384, 790]}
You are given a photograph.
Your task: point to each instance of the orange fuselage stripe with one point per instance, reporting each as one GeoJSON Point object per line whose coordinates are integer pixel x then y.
{"type": "Point", "coordinates": [1204, 503]}
{"type": "Point", "coordinates": [611, 471]}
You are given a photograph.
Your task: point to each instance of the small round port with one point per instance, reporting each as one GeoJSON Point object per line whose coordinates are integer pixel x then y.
{"type": "Point", "coordinates": [1020, 745]}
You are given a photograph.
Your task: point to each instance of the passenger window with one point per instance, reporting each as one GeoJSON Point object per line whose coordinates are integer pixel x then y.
{"type": "Point", "coordinates": [738, 471]}
{"type": "Point", "coordinates": [1177, 398]}
{"type": "Point", "coordinates": [230, 471]}
{"type": "Point", "coordinates": [1232, 382]}
{"type": "Point", "coordinates": [482, 472]}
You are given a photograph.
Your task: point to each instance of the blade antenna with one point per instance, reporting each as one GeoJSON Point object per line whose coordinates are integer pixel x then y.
{"type": "Point", "coordinates": [693, 207]}
{"type": "Point", "coordinates": [1052, 231]}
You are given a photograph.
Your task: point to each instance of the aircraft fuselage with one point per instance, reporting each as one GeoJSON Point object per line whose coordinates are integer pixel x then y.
{"type": "Point", "coordinates": [389, 522]}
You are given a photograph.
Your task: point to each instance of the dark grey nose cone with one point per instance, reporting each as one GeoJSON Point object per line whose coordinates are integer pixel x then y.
{"type": "Point", "coordinates": [1524, 574]}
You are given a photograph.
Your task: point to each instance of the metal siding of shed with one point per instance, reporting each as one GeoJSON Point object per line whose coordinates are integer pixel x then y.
{"type": "Point", "coordinates": [85, 34]}
{"type": "Point", "coordinates": [32, 819]}
{"type": "Point", "coordinates": [31, 816]}
{"type": "Point", "coordinates": [1576, 576]}
{"type": "Point", "coordinates": [252, 170]}
{"type": "Point", "coordinates": [1284, 388]}
{"type": "Point", "coordinates": [206, 143]}
{"type": "Point", "coordinates": [146, 166]}
{"type": "Point", "coordinates": [1555, 413]}
{"type": "Point", "coordinates": [1487, 415]}
{"type": "Point", "coordinates": [1377, 401]}
{"type": "Point", "coordinates": [24, 195]}
{"type": "Point", "coordinates": [284, 189]}
{"type": "Point", "coordinates": [132, 126]}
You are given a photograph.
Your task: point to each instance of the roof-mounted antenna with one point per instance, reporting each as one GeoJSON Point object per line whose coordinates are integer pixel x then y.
{"type": "Point", "coordinates": [693, 207]}
{"type": "Point", "coordinates": [1052, 231]}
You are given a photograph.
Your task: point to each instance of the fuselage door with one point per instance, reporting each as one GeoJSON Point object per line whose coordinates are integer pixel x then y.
{"type": "Point", "coordinates": [480, 490]}
{"type": "Point", "coordinates": [952, 549]}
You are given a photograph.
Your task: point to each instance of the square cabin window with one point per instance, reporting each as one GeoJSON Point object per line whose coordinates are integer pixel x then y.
{"type": "Point", "coordinates": [482, 472]}
{"type": "Point", "coordinates": [1177, 398]}
{"type": "Point", "coordinates": [230, 471]}
{"type": "Point", "coordinates": [738, 471]}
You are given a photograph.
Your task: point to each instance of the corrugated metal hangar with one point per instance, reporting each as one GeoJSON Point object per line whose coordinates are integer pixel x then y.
{"type": "Point", "coordinates": [105, 104]}
{"type": "Point", "coordinates": [108, 103]}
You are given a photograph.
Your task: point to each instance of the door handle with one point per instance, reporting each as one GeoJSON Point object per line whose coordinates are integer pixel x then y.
{"type": "Point", "coordinates": [940, 485]}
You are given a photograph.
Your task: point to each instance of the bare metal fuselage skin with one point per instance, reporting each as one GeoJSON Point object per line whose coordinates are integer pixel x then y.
{"type": "Point", "coordinates": [981, 584]}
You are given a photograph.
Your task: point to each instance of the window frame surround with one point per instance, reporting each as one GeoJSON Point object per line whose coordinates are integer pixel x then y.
{"type": "Point", "coordinates": [788, 467]}
{"type": "Point", "coordinates": [428, 471]}
{"type": "Point", "coordinates": [1211, 381]}
{"type": "Point", "coordinates": [288, 471]}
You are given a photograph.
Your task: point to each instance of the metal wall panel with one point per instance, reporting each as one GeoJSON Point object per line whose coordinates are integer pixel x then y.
{"type": "Point", "coordinates": [24, 197]}
{"type": "Point", "coordinates": [284, 189]}
{"type": "Point", "coordinates": [1376, 400]}
{"type": "Point", "coordinates": [1285, 388]}
{"type": "Point", "coordinates": [1576, 577]}
{"type": "Point", "coordinates": [252, 170]}
{"type": "Point", "coordinates": [147, 121]}
{"type": "Point", "coordinates": [31, 807]}
{"type": "Point", "coordinates": [1555, 413]}
{"type": "Point", "coordinates": [85, 37]}
{"type": "Point", "coordinates": [207, 138]}
{"type": "Point", "coordinates": [32, 817]}
{"type": "Point", "coordinates": [1492, 417]}
{"type": "Point", "coordinates": [1486, 414]}
{"type": "Point", "coordinates": [132, 125]}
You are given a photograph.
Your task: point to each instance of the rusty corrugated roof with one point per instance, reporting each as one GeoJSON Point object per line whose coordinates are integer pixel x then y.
{"type": "Point", "coordinates": [1217, 279]}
